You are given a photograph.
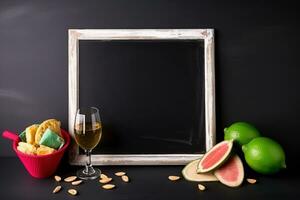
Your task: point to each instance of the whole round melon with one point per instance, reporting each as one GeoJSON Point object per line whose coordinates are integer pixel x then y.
{"type": "Point", "coordinates": [231, 173]}
{"type": "Point", "coordinates": [264, 155]}
{"type": "Point", "coordinates": [215, 156]}
{"type": "Point", "coordinates": [241, 132]}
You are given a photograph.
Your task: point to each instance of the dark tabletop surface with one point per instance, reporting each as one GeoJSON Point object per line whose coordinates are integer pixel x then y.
{"type": "Point", "coordinates": [147, 182]}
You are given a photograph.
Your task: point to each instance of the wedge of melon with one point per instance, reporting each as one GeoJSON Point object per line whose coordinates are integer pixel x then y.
{"type": "Point", "coordinates": [215, 157]}
{"type": "Point", "coordinates": [231, 173]}
{"type": "Point", "coordinates": [189, 172]}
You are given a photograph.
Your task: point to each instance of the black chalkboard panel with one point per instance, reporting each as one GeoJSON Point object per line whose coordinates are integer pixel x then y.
{"type": "Point", "coordinates": [150, 94]}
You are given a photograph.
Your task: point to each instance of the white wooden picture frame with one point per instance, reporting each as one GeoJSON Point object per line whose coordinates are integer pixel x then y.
{"type": "Point", "coordinates": [206, 35]}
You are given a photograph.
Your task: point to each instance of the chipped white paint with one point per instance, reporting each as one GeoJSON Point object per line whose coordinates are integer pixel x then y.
{"type": "Point", "coordinates": [206, 35]}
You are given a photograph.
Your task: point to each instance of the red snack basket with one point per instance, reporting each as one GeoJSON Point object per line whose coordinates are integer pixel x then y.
{"type": "Point", "coordinates": [39, 166]}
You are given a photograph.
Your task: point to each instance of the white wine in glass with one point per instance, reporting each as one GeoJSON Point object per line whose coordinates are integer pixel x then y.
{"type": "Point", "coordinates": [88, 131]}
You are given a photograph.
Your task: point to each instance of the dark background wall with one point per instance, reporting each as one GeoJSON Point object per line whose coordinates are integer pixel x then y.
{"type": "Point", "coordinates": [257, 57]}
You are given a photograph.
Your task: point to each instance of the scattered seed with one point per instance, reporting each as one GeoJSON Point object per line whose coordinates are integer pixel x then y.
{"type": "Point", "coordinates": [251, 180]}
{"type": "Point", "coordinates": [108, 186]}
{"type": "Point", "coordinates": [56, 189]}
{"type": "Point", "coordinates": [76, 182]}
{"type": "Point", "coordinates": [72, 192]}
{"type": "Point", "coordinates": [102, 176]}
{"type": "Point", "coordinates": [120, 173]}
{"type": "Point", "coordinates": [105, 180]}
{"type": "Point", "coordinates": [125, 178]}
{"type": "Point", "coordinates": [201, 187]}
{"type": "Point", "coordinates": [70, 179]}
{"type": "Point", "coordinates": [174, 178]}
{"type": "Point", "coordinates": [57, 178]}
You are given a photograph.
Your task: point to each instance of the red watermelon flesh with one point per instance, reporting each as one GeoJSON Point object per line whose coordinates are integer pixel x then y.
{"type": "Point", "coordinates": [215, 157]}
{"type": "Point", "coordinates": [231, 173]}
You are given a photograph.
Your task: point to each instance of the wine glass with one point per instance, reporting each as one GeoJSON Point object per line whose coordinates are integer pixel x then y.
{"type": "Point", "coordinates": [88, 131]}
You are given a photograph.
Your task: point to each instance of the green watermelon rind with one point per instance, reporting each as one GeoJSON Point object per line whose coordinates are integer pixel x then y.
{"type": "Point", "coordinates": [194, 179]}
{"type": "Point", "coordinates": [221, 161]}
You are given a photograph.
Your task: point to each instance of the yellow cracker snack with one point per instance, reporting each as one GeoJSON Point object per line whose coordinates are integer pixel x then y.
{"type": "Point", "coordinates": [26, 148]}
{"type": "Point", "coordinates": [30, 133]}
{"type": "Point", "coordinates": [52, 124]}
{"type": "Point", "coordinates": [44, 150]}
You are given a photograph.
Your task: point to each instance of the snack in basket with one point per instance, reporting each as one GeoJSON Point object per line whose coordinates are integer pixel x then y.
{"type": "Point", "coordinates": [51, 139]}
{"type": "Point", "coordinates": [53, 124]}
{"type": "Point", "coordinates": [26, 148]}
{"type": "Point", "coordinates": [30, 133]}
{"type": "Point", "coordinates": [44, 150]}
{"type": "Point", "coordinates": [23, 136]}
{"type": "Point", "coordinates": [41, 139]}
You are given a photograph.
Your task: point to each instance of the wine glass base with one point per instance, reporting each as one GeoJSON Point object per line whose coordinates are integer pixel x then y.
{"type": "Point", "coordinates": [90, 174]}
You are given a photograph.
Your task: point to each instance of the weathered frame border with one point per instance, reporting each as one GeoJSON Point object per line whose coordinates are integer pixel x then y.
{"type": "Point", "coordinates": [142, 34]}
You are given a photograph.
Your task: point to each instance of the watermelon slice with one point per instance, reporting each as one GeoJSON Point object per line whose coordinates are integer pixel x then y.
{"type": "Point", "coordinates": [190, 173]}
{"type": "Point", "coordinates": [231, 173]}
{"type": "Point", "coordinates": [215, 157]}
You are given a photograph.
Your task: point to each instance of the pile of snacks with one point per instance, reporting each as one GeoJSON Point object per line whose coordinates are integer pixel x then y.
{"type": "Point", "coordinates": [41, 139]}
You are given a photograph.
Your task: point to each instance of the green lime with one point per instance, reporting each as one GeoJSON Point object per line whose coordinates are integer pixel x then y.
{"type": "Point", "coordinates": [264, 155]}
{"type": "Point", "coordinates": [241, 132]}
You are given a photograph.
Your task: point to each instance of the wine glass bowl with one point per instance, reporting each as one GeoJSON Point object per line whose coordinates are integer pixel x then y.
{"type": "Point", "coordinates": [88, 132]}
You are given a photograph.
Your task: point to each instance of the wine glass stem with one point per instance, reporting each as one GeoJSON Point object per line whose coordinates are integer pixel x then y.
{"type": "Point", "coordinates": [88, 162]}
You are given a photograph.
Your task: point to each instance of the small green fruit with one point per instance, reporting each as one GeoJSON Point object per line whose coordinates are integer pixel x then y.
{"type": "Point", "coordinates": [264, 155]}
{"type": "Point", "coordinates": [241, 132]}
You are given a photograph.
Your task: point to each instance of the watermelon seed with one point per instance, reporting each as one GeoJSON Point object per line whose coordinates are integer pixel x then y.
{"type": "Point", "coordinates": [103, 176]}
{"type": "Point", "coordinates": [120, 173]}
{"type": "Point", "coordinates": [56, 189]}
{"type": "Point", "coordinates": [57, 178]}
{"type": "Point", "coordinates": [201, 187]}
{"type": "Point", "coordinates": [251, 180]}
{"type": "Point", "coordinates": [173, 178]}
{"type": "Point", "coordinates": [105, 180]}
{"type": "Point", "coordinates": [125, 178]}
{"type": "Point", "coordinates": [70, 179]}
{"type": "Point", "coordinates": [72, 192]}
{"type": "Point", "coordinates": [108, 186]}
